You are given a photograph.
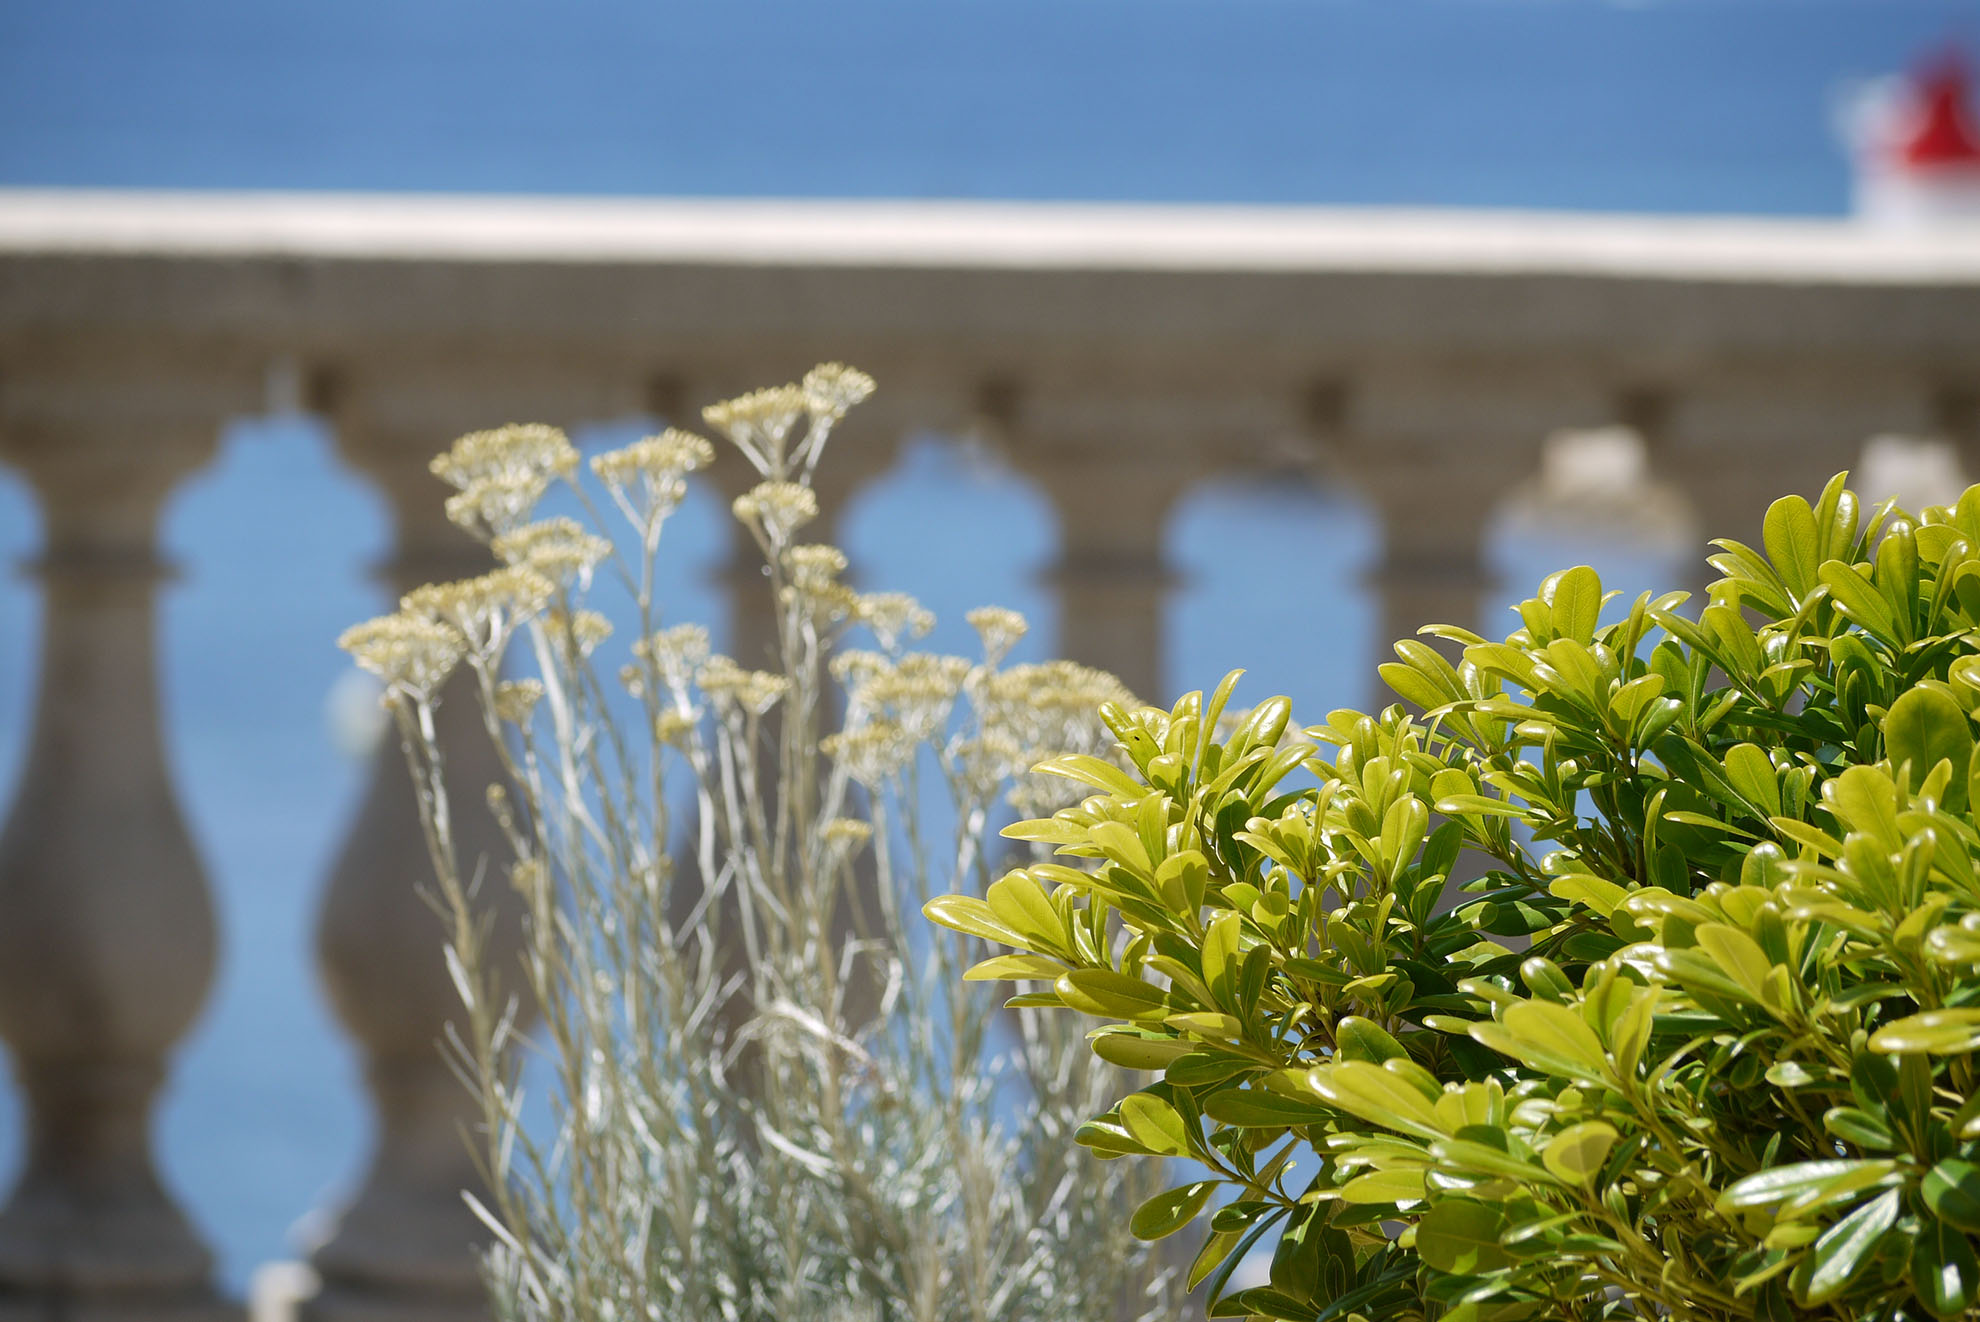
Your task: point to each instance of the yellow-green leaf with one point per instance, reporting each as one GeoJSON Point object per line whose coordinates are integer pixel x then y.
{"type": "Point", "coordinates": [1788, 532]}
{"type": "Point", "coordinates": [972, 917]}
{"type": "Point", "coordinates": [1549, 1037]}
{"type": "Point", "coordinates": [1134, 1052]}
{"type": "Point", "coordinates": [1390, 1186]}
{"type": "Point", "coordinates": [1923, 728]}
{"type": "Point", "coordinates": [1752, 775]}
{"type": "Point", "coordinates": [1170, 1211]}
{"type": "Point", "coordinates": [1739, 955]}
{"type": "Point", "coordinates": [1155, 1125]}
{"type": "Point", "coordinates": [1014, 968]}
{"type": "Point", "coordinates": [1934, 1032]}
{"type": "Point", "coordinates": [1093, 771]}
{"type": "Point", "coordinates": [1111, 995]}
{"type": "Point", "coordinates": [1462, 1237]}
{"type": "Point", "coordinates": [1598, 893]}
{"type": "Point", "coordinates": [1021, 905]}
{"type": "Point", "coordinates": [1576, 596]}
{"type": "Point", "coordinates": [1577, 1152]}
{"type": "Point", "coordinates": [1375, 1095]}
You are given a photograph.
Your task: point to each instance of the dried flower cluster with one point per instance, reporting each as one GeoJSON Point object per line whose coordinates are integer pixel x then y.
{"type": "Point", "coordinates": [774, 1095]}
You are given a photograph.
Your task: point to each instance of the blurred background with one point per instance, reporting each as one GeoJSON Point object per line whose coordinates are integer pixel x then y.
{"type": "Point", "coordinates": [1791, 109]}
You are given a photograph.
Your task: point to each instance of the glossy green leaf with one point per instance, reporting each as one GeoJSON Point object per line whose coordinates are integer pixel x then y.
{"type": "Point", "coordinates": [1944, 1273]}
{"type": "Point", "coordinates": [1577, 1152]}
{"type": "Point", "coordinates": [1844, 1249]}
{"type": "Point", "coordinates": [1169, 1211]}
{"type": "Point", "coordinates": [1375, 1095]}
{"type": "Point", "coordinates": [1936, 1032]}
{"type": "Point", "coordinates": [972, 917]}
{"type": "Point", "coordinates": [1953, 945]}
{"type": "Point", "coordinates": [1251, 1108]}
{"type": "Point", "coordinates": [1856, 1126]}
{"type": "Point", "coordinates": [1753, 776]}
{"type": "Point", "coordinates": [1136, 1052]}
{"type": "Point", "coordinates": [1390, 1186]}
{"type": "Point", "coordinates": [1014, 968]}
{"type": "Point", "coordinates": [1597, 893]}
{"type": "Point", "coordinates": [1738, 954]}
{"type": "Point", "coordinates": [1781, 1183]}
{"type": "Point", "coordinates": [1461, 1236]}
{"type": "Point", "coordinates": [1576, 596]}
{"type": "Point", "coordinates": [1857, 598]}
{"type": "Point", "coordinates": [1111, 995]}
{"type": "Point", "coordinates": [1952, 1190]}
{"type": "Point", "coordinates": [1792, 543]}
{"type": "Point", "coordinates": [1549, 1037]}
{"type": "Point", "coordinates": [1924, 727]}
{"type": "Point", "coordinates": [1097, 772]}
{"type": "Point", "coordinates": [1021, 905]}
{"type": "Point", "coordinates": [1155, 1125]}
{"type": "Point", "coordinates": [1356, 1038]}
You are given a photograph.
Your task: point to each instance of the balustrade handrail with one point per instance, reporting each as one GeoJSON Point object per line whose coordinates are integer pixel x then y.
{"type": "Point", "coordinates": [965, 234]}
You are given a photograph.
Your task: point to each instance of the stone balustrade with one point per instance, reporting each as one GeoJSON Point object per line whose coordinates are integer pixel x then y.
{"type": "Point", "coordinates": [1118, 356]}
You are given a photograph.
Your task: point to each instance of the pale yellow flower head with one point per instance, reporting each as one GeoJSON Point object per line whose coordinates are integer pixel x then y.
{"type": "Point", "coordinates": [760, 423]}
{"type": "Point", "coordinates": [856, 666]}
{"type": "Point", "coordinates": [815, 587]}
{"type": "Point", "coordinates": [491, 506]}
{"type": "Point", "coordinates": [752, 691]}
{"type": "Point", "coordinates": [999, 628]}
{"type": "Point", "coordinates": [872, 754]}
{"type": "Point", "coordinates": [515, 699]}
{"type": "Point", "coordinates": [674, 728]}
{"type": "Point", "coordinates": [917, 693]}
{"type": "Point", "coordinates": [777, 509]}
{"type": "Point", "coordinates": [411, 653]}
{"type": "Point", "coordinates": [499, 475]}
{"type": "Point", "coordinates": [831, 390]}
{"type": "Point", "coordinates": [987, 763]}
{"type": "Point", "coordinates": [895, 618]}
{"type": "Point", "coordinates": [520, 447]}
{"type": "Point", "coordinates": [485, 609]}
{"type": "Point", "coordinates": [814, 566]}
{"type": "Point", "coordinates": [668, 457]}
{"type": "Point", "coordinates": [648, 479]}
{"type": "Point", "coordinates": [576, 635]}
{"type": "Point", "coordinates": [848, 830]}
{"type": "Point", "coordinates": [1047, 710]}
{"type": "Point", "coordinates": [844, 837]}
{"type": "Point", "coordinates": [675, 653]}
{"type": "Point", "coordinates": [529, 877]}
{"type": "Point", "coordinates": [559, 549]}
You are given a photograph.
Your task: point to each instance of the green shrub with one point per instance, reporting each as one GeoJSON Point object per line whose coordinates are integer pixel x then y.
{"type": "Point", "coordinates": [1697, 1044]}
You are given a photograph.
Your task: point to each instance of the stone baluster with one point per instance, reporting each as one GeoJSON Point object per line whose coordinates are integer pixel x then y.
{"type": "Point", "coordinates": [107, 930]}
{"type": "Point", "coordinates": [1432, 568]}
{"type": "Point", "coordinates": [1734, 447]}
{"type": "Point", "coordinates": [1112, 578]}
{"type": "Point", "coordinates": [1436, 459]}
{"type": "Point", "coordinates": [1955, 421]}
{"type": "Point", "coordinates": [406, 1244]}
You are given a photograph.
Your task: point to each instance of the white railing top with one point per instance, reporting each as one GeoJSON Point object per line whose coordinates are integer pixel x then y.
{"type": "Point", "coordinates": [979, 235]}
